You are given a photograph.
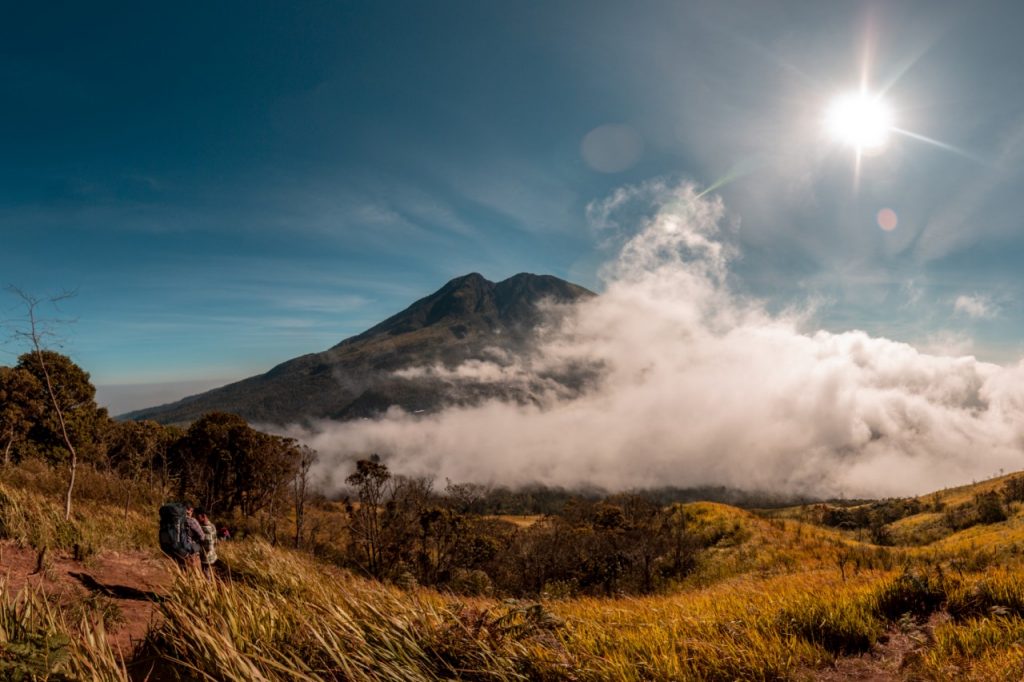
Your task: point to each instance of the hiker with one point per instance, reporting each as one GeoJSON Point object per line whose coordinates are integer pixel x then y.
{"type": "Point", "coordinates": [225, 534]}
{"type": "Point", "coordinates": [195, 530]}
{"type": "Point", "coordinates": [208, 554]}
{"type": "Point", "coordinates": [177, 537]}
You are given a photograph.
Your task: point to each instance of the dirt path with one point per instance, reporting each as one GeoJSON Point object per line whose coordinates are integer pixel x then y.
{"type": "Point", "coordinates": [131, 580]}
{"type": "Point", "coordinates": [889, 660]}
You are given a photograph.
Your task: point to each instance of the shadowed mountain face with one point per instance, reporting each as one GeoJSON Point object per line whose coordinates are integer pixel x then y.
{"type": "Point", "coordinates": [468, 318]}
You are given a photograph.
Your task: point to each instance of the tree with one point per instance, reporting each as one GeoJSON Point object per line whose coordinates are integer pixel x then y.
{"type": "Point", "coordinates": [205, 459]}
{"type": "Point", "coordinates": [225, 464]}
{"type": "Point", "coordinates": [20, 406]}
{"type": "Point", "coordinates": [134, 448]}
{"type": "Point", "coordinates": [369, 480]}
{"type": "Point", "coordinates": [62, 400]}
{"type": "Point", "coordinates": [264, 472]}
{"type": "Point", "coordinates": [399, 524]}
{"type": "Point", "coordinates": [78, 421]}
{"type": "Point", "coordinates": [307, 457]}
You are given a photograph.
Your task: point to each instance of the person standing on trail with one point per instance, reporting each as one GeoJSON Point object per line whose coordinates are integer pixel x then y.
{"type": "Point", "coordinates": [196, 534]}
{"type": "Point", "coordinates": [178, 539]}
{"type": "Point", "coordinates": [208, 553]}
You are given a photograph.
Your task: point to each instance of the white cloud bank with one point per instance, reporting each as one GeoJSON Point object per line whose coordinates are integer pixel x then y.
{"type": "Point", "coordinates": [702, 386]}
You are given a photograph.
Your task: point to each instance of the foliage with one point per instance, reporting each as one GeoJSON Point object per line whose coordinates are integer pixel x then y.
{"type": "Point", "coordinates": [1013, 490]}
{"type": "Point", "coordinates": [20, 404]}
{"type": "Point", "coordinates": [225, 464]}
{"type": "Point", "coordinates": [986, 507]}
{"type": "Point", "coordinates": [761, 598]}
{"type": "Point", "coordinates": [37, 643]}
{"type": "Point", "coordinates": [36, 520]}
{"type": "Point", "coordinates": [75, 396]}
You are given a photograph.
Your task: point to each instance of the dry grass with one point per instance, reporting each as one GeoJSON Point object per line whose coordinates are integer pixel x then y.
{"type": "Point", "coordinates": [774, 598]}
{"type": "Point", "coordinates": [37, 643]}
{"type": "Point", "coordinates": [286, 617]}
{"type": "Point", "coordinates": [34, 520]}
{"type": "Point", "coordinates": [519, 521]}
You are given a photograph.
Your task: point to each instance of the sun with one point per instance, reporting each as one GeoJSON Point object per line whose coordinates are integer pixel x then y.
{"type": "Point", "coordinates": [859, 120]}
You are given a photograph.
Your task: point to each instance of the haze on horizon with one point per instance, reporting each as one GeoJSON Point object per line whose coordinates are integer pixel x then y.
{"type": "Point", "coordinates": [228, 187]}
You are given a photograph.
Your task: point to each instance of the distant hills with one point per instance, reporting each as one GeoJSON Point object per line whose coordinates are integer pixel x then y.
{"type": "Point", "coordinates": [468, 318]}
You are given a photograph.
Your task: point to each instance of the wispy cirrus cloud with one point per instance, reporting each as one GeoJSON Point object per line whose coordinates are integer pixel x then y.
{"type": "Point", "coordinates": [975, 306]}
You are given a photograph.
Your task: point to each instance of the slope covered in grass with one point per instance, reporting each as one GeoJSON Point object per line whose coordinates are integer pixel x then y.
{"type": "Point", "coordinates": [770, 597]}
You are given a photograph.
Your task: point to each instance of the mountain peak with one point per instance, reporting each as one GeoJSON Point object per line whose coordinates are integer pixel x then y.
{"type": "Point", "coordinates": [473, 303]}
{"type": "Point", "coordinates": [357, 377]}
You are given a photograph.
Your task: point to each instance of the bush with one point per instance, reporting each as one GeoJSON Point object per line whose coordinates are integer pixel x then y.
{"type": "Point", "coordinates": [998, 593]}
{"type": "Point", "coordinates": [919, 594]}
{"type": "Point", "coordinates": [984, 508]}
{"type": "Point", "coordinates": [472, 583]}
{"type": "Point", "coordinates": [1013, 490]}
{"type": "Point", "coordinates": [841, 628]}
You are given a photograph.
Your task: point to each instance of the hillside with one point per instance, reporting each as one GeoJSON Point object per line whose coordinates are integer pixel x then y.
{"type": "Point", "coordinates": [769, 597]}
{"type": "Point", "coordinates": [356, 378]}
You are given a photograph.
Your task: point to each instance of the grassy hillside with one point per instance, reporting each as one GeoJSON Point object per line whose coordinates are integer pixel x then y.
{"type": "Point", "coordinates": [778, 596]}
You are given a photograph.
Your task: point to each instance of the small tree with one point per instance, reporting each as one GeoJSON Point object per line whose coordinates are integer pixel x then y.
{"type": "Point", "coordinates": [20, 406]}
{"type": "Point", "coordinates": [36, 332]}
{"type": "Point", "coordinates": [225, 464]}
{"type": "Point", "coordinates": [369, 479]}
{"type": "Point", "coordinates": [307, 457]}
{"type": "Point", "coordinates": [990, 507]}
{"type": "Point", "coordinates": [134, 448]}
{"type": "Point", "coordinates": [1013, 490]}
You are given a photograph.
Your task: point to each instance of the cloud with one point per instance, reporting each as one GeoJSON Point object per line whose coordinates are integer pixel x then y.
{"type": "Point", "coordinates": [947, 342]}
{"type": "Point", "coordinates": [976, 307]}
{"type": "Point", "coordinates": [701, 385]}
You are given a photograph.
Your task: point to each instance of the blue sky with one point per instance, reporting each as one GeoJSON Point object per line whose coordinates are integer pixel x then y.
{"type": "Point", "coordinates": [230, 185]}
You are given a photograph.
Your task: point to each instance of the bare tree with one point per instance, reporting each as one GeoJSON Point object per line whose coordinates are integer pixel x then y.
{"type": "Point", "coordinates": [370, 480]}
{"type": "Point", "coordinates": [307, 456]}
{"type": "Point", "coordinates": [36, 332]}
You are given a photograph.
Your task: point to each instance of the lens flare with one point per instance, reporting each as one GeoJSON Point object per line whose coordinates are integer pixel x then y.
{"type": "Point", "coordinates": [859, 120]}
{"type": "Point", "coordinates": [887, 219]}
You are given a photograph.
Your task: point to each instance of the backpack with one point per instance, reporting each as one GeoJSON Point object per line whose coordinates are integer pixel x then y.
{"type": "Point", "coordinates": [174, 537]}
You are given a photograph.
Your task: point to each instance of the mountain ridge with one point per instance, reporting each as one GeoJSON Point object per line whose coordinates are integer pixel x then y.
{"type": "Point", "coordinates": [355, 377]}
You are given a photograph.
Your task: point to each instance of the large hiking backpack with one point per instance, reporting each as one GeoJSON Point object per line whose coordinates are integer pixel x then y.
{"type": "Point", "coordinates": [174, 536]}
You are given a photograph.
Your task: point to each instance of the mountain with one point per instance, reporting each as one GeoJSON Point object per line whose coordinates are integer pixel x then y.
{"type": "Point", "coordinates": [468, 318]}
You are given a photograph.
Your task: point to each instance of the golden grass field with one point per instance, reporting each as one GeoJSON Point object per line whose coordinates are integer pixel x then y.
{"type": "Point", "coordinates": [778, 598]}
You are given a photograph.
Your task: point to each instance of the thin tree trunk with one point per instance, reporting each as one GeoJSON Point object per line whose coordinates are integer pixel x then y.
{"type": "Point", "coordinates": [127, 500]}
{"type": "Point", "coordinates": [299, 505]}
{"type": "Point", "coordinates": [72, 453]}
{"type": "Point", "coordinates": [72, 469]}
{"type": "Point", "coordinates": [34, 334]}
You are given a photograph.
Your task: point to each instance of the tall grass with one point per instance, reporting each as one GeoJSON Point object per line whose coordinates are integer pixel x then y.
{"type": "Point", "coordinates": [37, 643]}
{"type": "Point", "coordinates": [33, 520]}
{"type": "Point", "coordinates": [773, 599]}
{"type": "Point", "coordinates": [283, 616]}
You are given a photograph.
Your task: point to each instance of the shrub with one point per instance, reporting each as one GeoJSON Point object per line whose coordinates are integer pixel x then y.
{"type": "Point", "coordinates": [997, 593]}
{"type": "Point", "coordinates": [1013, 490]}
{"type": "Point", "coordinates": [839, 627]}
{"type": "Point", "coordinates": [916, 593]}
